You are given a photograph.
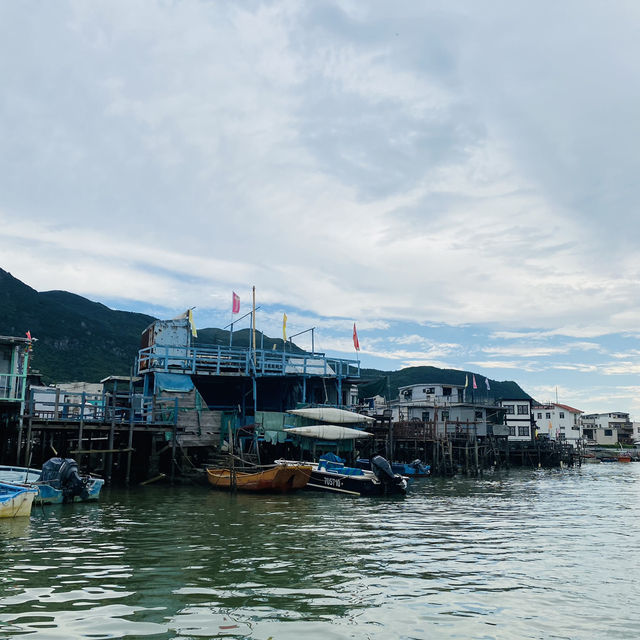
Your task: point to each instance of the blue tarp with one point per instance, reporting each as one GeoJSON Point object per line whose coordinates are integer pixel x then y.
{"type": "Point", "coordinates": [173, 382]}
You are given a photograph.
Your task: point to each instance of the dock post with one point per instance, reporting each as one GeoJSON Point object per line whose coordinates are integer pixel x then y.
{"type": "Point", "coordinates": [81, 425]}
{"type": "Point", "coordinates": [130, 441]}
{"type": "Point", "coordinates": [475, 456]}
{"type": "Point", "coordinates": [27, 456]}
{"type": "Point", "coordinates": [173, 440]}
{"type": "Point", "coordinates": [109, 461]}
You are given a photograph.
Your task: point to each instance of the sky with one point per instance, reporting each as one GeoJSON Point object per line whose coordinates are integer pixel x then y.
{"type": "Point", "coordinates": [459, 179]}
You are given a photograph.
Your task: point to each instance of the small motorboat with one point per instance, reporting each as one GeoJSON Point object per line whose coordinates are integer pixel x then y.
{"type": "Point", "coordinates": [58, 481]}
{"type": "Point", "coordinates": [16, 500]}
{"type": "Point", "coordinates": [331, 474]}
{"type": "Point", "coordinates": [415, 469]}
{"type": "Point", "coordinates": [284, 476]}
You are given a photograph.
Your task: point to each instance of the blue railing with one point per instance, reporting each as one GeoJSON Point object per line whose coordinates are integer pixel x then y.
{"type": "Point", "coordinates": [106, 408]}
{"type": "Point", "coordinates": [219, 359]}
{"type": "Point", "coordinates": [12, 387]}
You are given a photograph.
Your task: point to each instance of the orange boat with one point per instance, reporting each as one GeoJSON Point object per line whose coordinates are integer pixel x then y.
{"type": "Point", "coordinates": [279, 478]}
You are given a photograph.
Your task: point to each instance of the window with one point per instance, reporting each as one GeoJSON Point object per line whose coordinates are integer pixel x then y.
{"type": "Point", "coordinates": [479, 415]}
{"type": "Point", "coordinates": [522, 410]}
{"type": "Point", "coordinates": [608, 432]}
{"type": "Point", "coordinates": [547, 416]}
{"type": "Point", "coordinates": [540, 416]}
{"type": "Point", "coordinates": [523, 431]}
{"type": "Point", "coordinates": [446, 391]}
{"type": "Point", "coordinates": [445, 415]}
{"type": "Point", "coordinates": [429, 390]}
{"type": "Point", "coordinates": [561, 415]}
{"type": "Point", "coordinates": [512, 431]}
{"type": "Point", "coordinates": [509, 409]}
{"type": "Point", "coordinates": [425, 416]}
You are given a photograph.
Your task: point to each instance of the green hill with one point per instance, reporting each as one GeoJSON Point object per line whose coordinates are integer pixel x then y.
{"type": "Point", "coordinates": [76, 339]}
{"type": "Point", "coordinates": [83, 340]}
{"type": "Point", "coordinates": [387, 383]}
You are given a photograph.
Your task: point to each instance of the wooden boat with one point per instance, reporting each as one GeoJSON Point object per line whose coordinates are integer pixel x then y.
{"type": "Point", "coordinates": [57, 482]}
{"type": "Point", "coordinates": [331, 414]}
{"type": "Point", "coordinates": [16, 500]}
{"type": "Point", "coordinates": [282, 477]}
{"type": "Point", "coordinates": [328, 432]}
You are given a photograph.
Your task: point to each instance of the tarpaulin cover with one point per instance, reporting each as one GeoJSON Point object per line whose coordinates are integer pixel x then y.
{"type": "Point", "coordinates": [274, 437]}
{"type": "Point", "coordinates": [173, 382]}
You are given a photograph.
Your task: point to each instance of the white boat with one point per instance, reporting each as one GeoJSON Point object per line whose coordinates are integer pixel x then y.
{"type": "Point", "coordinates": [328, 432]}
{"type": "Point", "coordinates": [16, 500]}
{"type": "Point", "coordinates": [331, 414]}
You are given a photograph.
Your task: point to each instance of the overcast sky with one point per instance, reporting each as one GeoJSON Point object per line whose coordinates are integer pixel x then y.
{"type": "Point", "coordinates": [458, 178]}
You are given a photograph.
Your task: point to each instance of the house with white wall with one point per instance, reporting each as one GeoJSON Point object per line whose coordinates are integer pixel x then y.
{"type": "Point", "coordinates": [608, 428]}
{"type": "Point", "coordinates": [447, 407]}
{"type": "Point", "coordinates": [559, 422]}
{"type": "Point", "coordinates": [518, 418]}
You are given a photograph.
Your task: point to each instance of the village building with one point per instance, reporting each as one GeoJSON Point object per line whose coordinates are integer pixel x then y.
{"type": "Point", "coordinates": [608, 428]}
{"type": "Point", "coordinates": [518, 418]}
{"type": "Point", "coordinates": [448, 408]}
{"type": "Point", "coordinates": [558, 422]}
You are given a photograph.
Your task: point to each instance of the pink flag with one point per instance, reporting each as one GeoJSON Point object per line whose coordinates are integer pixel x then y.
{"type": "Point", "coordinates": [28, 335]}
{"type": "Point", "coordinates": [235, 305]}
{"type": "Point", "coordinates": [475, 386]}
{"type": "Point", "coordinates": [356, 343]}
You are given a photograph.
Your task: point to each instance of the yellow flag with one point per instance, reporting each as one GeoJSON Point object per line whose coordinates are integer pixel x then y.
{"type": "Point", "coordinates": [194, 333]}
{"type": "Point", "coordinates": [284, 327]}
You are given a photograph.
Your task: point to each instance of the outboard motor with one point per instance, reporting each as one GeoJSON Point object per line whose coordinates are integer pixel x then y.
{"type": "Point", "coordinates": [62, 473]}
{"type": "Point", "coordinates": [393, 482]}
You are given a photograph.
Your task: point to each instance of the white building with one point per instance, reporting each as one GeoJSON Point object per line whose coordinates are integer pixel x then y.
{"type": "Point", "coordinates": [608, 428]}
{"type": "Point", "coordinates": [518, 418]}
{"type": "Point", "coordinates": [445, 405]}
{"type": "Point", "coordinates": [557, 421]}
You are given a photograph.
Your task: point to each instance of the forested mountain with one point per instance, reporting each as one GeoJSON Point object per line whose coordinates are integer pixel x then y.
{"type": "Point", "coordinates": [81, 340]}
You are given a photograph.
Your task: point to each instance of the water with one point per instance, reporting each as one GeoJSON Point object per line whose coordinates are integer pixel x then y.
{"type": "Point", "coordinates": [531, 554]}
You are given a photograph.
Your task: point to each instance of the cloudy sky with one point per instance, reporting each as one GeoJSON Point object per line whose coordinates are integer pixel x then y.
{"type": "Point", "coordinates": [458, 178]}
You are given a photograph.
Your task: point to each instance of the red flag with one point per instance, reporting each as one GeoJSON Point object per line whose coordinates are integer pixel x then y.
{"type": "Point", "coordinates": [28, 335]}
{"type": "Point", "coordinates": [475, 386]}
{"type": "Point", "coordinates": [356, 344]}
{"type": "Point", "coordinates": [235, 304]}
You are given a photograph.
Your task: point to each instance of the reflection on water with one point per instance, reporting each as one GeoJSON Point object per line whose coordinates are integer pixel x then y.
{"type": "Point", "coordinates": [547, 554]}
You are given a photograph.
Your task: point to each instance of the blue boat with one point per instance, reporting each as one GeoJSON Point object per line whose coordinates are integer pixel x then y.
{"type": "Point", "coordinates": [415, 469]}
{"type": "Point", "coordinates": [57, 482]}
{"type": "Point", "coordinates": [16, 500]}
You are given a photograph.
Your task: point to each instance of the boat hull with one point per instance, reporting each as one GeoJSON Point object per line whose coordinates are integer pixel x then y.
{"type": "Point", "coordinates": [361, 485]}
{"type": "Point", "coordinates": [276, 479]}
{"type": "Point", "coordinates": [16, 501]}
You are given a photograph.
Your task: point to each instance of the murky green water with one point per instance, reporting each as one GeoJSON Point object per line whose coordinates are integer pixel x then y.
{"type": "Point", "coordinates": [526, 555]}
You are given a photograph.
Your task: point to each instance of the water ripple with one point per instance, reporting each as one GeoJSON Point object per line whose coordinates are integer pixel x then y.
{"type": "Point", "coordinates": [525, 555]}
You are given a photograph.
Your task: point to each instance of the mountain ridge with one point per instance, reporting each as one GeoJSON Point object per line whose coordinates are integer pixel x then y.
{"type": "Point", "coordinates": [83, 340]}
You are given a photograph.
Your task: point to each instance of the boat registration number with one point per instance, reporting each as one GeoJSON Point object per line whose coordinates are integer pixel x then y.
{"type": "Point", "coordinates": [333, 482]}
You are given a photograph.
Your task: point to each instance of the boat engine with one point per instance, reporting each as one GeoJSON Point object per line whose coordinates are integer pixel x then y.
{"type": "Point", "coordinates": [383, 471]}
{"type": "Point", "coordinates": [62, 473]}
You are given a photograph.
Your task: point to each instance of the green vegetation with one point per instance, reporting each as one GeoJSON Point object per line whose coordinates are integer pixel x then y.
{"type": "Point", "coordinates": [80, 340]}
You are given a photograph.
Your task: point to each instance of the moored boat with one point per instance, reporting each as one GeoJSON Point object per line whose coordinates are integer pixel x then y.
{"type": "Point", "coordinates": [415, 469]}
{"type": "Point", "coordinates": [58, 481]}
{"type": "Point", "coordinates": [328, 432]}
{"type": "Point", "coordinates": [331, 414]}
{"type": "Point", "coordinates": [284, 476]}
{"type": "Point", "coordinates": [331, 474]}
{"type": "Point", "coordinates": [16, 500]}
